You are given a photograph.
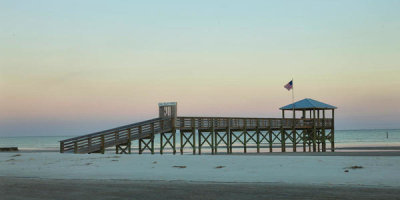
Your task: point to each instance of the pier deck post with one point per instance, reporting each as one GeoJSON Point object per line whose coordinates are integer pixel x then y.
{"type": "Point", "coordinates": [258, 136]}
{"type": "Point", "coordinates": [333, 131]}
{"type": "Point", "coordinates": [200, 143]}
{"type": "Point", "coordinates": [323, 132]}
{"type": "Point", "coordinates": [140, 139]}
{"type": "Point", "coordinates": [194, 135]}
{"type": "Point", "coordinates": [102, 145]}
{"type": "Point", "coordinates": [283, 138]}
{"type": "Point", "coordinates": [152, 138]}
{"type": "Point", "coordinates": [129, 141]}
{"type": "Point", "coordinates": [61, 147]}
{"type": "Point", "coordinates": [75, 147]}
{"type": "Point", "coordinates": [181, 136]}
{"type": "Point", "coordinates": [270, 135]}
{"type": "Point", "coordinates": [244, 136]}
{"type": "Point", "coordinates": [174, 140]}
{"type": "Point", "coordinates": [228, 137]}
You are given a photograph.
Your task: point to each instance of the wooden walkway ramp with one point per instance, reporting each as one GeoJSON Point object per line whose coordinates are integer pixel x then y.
{"type": "Point", "coordinates": [120, 137]}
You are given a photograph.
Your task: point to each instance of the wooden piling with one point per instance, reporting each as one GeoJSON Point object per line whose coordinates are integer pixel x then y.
{"type": "Point", "coordinates": [89, 143]}
{"type": "Point", "coordinates": [181, 136]}
{"type": "Point", "coordinates": [244, 136]}
{"type": "Point", "coordinates": [61, 147]}
{"type": "Point", "coordinates": [212, 137]}
{"type": "Point", "coordinates": [333, 131]}
{"type": "Point", "coordinates": [152, 137]}
{"type": "Point", "coordinates": [102, 145]}
{"type": "Point", "coordinates": [116, 142]}
{"type": "Point", "coordinates": [323, 132]}
{"type": "Point", "coordinates": [194, 135]}
{"type": "Point", "coordinates": [283, 138]}
{"type": "Point", "coordinates": [174, 140]}
{"type": "Point", "coordinates": [200, 143]}
{"type": "Point", "coordinates": [140, 140]}
{"type": "Point", "coordinates": [129, 141]}
{"type": "Point", "coordinates": [228, 130]}
{"type": "Point", "coordinates": [258, 136]}
{"type": "Point", "coordinates": [75, 147]}
{"type": "Point", "coordinates": [270, 136]}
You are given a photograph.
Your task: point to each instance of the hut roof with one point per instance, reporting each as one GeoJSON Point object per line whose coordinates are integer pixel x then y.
{"type": "Point", "coordinates": [308, 104]}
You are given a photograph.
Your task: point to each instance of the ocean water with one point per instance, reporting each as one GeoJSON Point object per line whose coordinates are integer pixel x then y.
{"type": "Point", "coordinates": [347, 138]}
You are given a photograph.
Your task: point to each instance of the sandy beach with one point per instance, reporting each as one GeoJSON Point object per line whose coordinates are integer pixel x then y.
{"type": "Point", "coordinates": [34, 188]}
{"type": "Point", "coordinates": [43, 175]}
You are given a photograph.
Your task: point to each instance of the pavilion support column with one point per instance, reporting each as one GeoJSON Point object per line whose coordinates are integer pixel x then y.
{"type": "Point", "coordinates": [309, 140]}
{"type": "Point", "coordinates": [318, 140]}
{"type": "Point", "coordinates": [303, 134]}
{"type": "Point", "coordinates": [314, 133]}
{"type": "Point", "coordinates": [294, 131]}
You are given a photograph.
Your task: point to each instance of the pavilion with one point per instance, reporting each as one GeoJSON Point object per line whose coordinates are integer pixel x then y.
{"type": "Point", "coordinates": [315, 109]}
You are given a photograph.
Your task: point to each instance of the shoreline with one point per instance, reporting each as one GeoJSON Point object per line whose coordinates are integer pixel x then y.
{"type": "Point", "coordinates": [250, 149]}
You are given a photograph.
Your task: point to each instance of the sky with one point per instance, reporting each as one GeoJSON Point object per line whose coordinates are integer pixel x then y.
{"type": "Point", "coordinates": [75, 67]}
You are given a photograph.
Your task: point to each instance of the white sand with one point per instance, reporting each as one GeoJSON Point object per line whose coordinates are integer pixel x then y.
{"type": "Point", "coordinates": [329, 170]}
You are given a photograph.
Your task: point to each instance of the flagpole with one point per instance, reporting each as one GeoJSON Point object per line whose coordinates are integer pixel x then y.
{"type": "Point", "coordinates": [293, 97]}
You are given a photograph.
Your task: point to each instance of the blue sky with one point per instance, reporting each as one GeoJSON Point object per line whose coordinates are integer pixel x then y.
{"type": "Point", "coordinates": [70, 67]}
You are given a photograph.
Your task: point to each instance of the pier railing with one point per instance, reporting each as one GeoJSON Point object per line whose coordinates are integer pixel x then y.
{"type": "Point", "coordinates": [249, 123]}
{"type": "Point", "coordinates": [97, 142]}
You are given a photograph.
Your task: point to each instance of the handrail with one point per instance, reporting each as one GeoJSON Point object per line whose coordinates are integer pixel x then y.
{"type": "Point", "coordinates": [120, 128]}
{"type": "Point", "coordinates": [222, 122]}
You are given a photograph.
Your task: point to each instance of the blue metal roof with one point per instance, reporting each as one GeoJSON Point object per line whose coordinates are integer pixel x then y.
{"type": "Point", "coordinates": [308, 104]}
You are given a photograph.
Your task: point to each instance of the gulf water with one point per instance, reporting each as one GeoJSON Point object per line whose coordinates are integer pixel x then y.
{"type": "Point", "coordinates": [381, 137]}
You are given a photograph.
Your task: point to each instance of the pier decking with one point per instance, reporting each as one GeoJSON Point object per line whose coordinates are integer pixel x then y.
{"type": "Point", "coordinates": [211, 132]}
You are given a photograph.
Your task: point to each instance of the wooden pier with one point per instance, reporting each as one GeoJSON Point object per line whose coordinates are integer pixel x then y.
{"type": "Point", "coordinates": [220, 134]}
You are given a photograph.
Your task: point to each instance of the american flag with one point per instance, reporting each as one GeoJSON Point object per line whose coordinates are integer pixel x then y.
{"type": "Point", "coordinates": [289, 86]}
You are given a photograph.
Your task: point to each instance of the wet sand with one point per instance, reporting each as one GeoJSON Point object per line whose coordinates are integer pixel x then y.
{"type": "Point", "coordinates": [28, 188]}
